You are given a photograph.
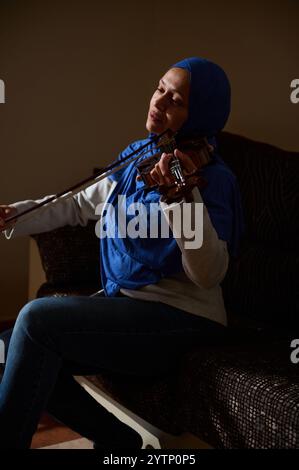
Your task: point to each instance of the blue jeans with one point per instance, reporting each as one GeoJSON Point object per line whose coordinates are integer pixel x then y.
{"type": "Point", "coordinates": [56, 338]}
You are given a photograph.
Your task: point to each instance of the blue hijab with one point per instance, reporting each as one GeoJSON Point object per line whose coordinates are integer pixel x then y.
{"type": "Point", "coordinates": [135, 262]}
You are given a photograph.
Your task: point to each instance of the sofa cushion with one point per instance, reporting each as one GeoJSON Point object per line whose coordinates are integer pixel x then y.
{"type": "Point", "coordinates": [231, 397]}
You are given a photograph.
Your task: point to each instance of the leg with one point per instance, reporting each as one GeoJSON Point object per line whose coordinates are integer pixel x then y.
{"type": "Point", "coordinates": [95, 333]}
{"type": "Point", "coordinates": [90, 418]}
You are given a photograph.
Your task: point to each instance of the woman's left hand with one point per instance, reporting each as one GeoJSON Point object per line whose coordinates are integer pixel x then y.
{"type": "Point", "coordinates": [190, 162]}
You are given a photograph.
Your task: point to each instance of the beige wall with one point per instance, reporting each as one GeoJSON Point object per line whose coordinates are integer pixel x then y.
{"type": "Point", "coordinates": [79, 74]}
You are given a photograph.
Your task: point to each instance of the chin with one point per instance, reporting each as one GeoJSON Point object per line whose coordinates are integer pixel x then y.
{"type": "Point", "coordinates": [155, 129]}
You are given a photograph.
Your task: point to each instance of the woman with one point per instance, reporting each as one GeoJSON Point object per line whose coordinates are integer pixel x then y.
{"type": "Point", "coordinates": [161, 296]}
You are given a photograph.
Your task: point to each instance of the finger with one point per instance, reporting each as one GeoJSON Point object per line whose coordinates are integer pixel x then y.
{"type": "Point", "coordinates": [164, 163]}
{"type": "Point", "coordinates": [165, 168]}
{"type": "Point", "coordinates": [161, 177]}
{"type": "Point", "coordinates": [185, 160]}
{"type": "Point", "coordinates": [156, 175]}
{"type": "Point", "coordinates": [205, 156]}
{"type": "Point", "coordinates": [201, 157]}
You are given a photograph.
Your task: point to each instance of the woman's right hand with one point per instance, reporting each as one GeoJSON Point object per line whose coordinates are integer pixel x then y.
{"type": "Point", "coordinates": [5, 212]}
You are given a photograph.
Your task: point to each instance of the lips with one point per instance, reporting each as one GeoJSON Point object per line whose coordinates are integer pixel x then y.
{"type": "Point", "coordinates": [155, 117]}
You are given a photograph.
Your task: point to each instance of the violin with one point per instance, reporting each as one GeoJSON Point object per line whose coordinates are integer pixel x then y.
{"type": "Point", "coordinates": [197, 148]}
{"type": "Point", "coordinates": [181, 186]}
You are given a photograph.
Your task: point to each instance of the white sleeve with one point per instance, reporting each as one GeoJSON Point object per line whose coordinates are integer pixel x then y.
{"type": "Point", "coordinates": [76, 210]}
{"type": "Point", "coordinates": [207, 264]}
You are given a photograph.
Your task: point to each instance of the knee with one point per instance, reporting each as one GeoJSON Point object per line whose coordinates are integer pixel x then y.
{"type": "Point", "coordinates": [32, 318]}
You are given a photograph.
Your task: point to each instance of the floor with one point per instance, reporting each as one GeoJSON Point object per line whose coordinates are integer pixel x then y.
{"type": "Point", "coordinates": [50, 433]}
{"type": "Point", "coordinates": [75, 444]}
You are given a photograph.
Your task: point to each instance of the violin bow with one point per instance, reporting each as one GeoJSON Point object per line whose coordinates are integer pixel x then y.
{"type": "Point", "coordinates": [85, 183]}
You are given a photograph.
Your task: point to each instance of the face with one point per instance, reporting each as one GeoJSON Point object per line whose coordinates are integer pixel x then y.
{"type": "Point", "coordinates": [169, 104]}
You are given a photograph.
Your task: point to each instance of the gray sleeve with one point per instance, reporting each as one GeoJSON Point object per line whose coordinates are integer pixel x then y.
{"type": "Point", "coordinates": [76, 210]}
{"type": "Point", "coordinates": [205, 259]}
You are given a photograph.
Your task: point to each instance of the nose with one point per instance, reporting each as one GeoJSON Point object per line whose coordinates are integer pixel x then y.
{"type": "Point", "coordinates": [161, 103]}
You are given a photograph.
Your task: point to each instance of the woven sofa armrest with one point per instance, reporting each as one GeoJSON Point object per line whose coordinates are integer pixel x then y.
{"type": "Point", "coordinates": [70, 259]}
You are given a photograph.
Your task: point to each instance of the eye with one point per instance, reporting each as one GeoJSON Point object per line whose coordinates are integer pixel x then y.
{"type": "Point", "coordinates": [160, 89]}
{"type": "Point", "coordinates": [177, 102]}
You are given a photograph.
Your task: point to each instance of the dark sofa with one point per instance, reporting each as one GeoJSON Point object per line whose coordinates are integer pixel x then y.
{"type": "Point", "coordinates": [243, 393]}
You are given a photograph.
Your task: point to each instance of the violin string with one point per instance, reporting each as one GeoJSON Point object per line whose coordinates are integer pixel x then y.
{"type": "Point", "coordinates": [169, 144]}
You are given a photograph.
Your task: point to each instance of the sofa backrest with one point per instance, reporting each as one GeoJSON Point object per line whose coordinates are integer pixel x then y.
{"type": "Point", "coordinates": [262, 284]}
